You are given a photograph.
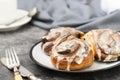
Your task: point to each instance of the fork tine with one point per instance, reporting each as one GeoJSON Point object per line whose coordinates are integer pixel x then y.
{"type": "Point", "coordinates": [6, 54]}
{"type": "Point", "coordinates": [15, 55]}
{"type": "Point", "coordinates": [9, 57]}
{"type": "Point", "coordinates": [12, 56]}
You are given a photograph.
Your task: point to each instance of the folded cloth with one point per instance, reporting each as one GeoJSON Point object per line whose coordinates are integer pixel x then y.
{"type": "Point", "coordinates": [81, 14]}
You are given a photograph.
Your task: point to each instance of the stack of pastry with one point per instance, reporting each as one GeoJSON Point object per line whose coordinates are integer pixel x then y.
{"type": "Point", "coordinates": [71, 49]}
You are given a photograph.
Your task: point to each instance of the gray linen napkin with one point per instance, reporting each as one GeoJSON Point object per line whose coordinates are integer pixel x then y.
{"type": "Point", "coordinates": [81, 14]}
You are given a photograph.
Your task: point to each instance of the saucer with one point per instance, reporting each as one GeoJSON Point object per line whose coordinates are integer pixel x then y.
{"type": "Point", "coordinates": [17, 24]}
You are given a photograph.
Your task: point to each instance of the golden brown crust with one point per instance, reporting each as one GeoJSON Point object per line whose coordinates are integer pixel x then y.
{"type": "Point", "coordinates": [88, 61]}
{"type": "Point", "coordinates": [105, 42]}
{"type": "Point", "coordinates": [72, 61]}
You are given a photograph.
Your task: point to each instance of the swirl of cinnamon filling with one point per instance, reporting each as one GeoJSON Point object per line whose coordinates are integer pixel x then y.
{"type": "Point", "coordinates": [71, 54]}
{"type": "Point", "coordinates": [106, 44]}
{"type": "Point", "coordinates": [56, 34]}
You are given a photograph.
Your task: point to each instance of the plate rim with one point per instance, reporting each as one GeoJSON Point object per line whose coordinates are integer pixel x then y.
{"type": "Point", "coordinates": [77, 71]}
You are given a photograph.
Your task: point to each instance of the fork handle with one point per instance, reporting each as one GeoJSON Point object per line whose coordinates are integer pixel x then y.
{"type": "Point", "coordinates": [32, 77]}
{"type": "Point", "coordinates": [17, 76]}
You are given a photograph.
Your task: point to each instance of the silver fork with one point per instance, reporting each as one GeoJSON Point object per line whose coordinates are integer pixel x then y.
{"type": "Point", "coordinates": [13, 62]}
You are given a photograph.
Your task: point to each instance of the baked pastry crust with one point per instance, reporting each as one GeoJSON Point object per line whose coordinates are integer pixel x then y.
{"type": "Point", "coordinates": [49, 39]}
{"type": "Point", "coordinates": [72, 54]}
{"type": "Point", "coordinates": [106, 44]}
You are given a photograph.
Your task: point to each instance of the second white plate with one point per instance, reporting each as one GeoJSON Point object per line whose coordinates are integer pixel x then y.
{"type": "Point", "coordinates": [39, 57]}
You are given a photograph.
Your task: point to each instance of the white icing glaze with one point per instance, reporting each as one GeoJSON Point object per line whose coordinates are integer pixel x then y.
{"type": "Point", "coordinates": [108, 58]}
{"type": "Point", "coordinates": [111, 58]}
{"type": "Point", "coordinates": [106, 41]}
{"type": "Point", "coordinates": [80, 53]}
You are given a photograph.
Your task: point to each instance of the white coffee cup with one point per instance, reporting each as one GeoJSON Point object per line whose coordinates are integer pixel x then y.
{"type": "Point", "coordinates": [110, 5]}
{"type": "Point", "coordinates": [8, 9]}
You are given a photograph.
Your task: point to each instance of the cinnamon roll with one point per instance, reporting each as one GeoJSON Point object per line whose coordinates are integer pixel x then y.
{"type": "Point", "coordinates": [106, 44]}
{"type": "Point", "coordinates": [71, 54]}
{"type": "Point", "coordinates": [56, 34]}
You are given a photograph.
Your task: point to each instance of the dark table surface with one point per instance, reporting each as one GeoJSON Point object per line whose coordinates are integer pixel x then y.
{"type": "Point", "coordinates": [23, 39]}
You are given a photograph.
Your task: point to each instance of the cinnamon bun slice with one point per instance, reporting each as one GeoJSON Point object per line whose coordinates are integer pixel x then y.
{"type": "Point", "coordinates": [72, 54]}
{"type": "Point", "coordinates": [106, 43]}
{"type": "Point", "coordinates": [56, 34]}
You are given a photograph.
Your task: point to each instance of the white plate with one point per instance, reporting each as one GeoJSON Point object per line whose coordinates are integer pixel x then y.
{"type": "Point", "coordinates": [39, 57]}
{"type": "Point", "coordinates": [18, 23]}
